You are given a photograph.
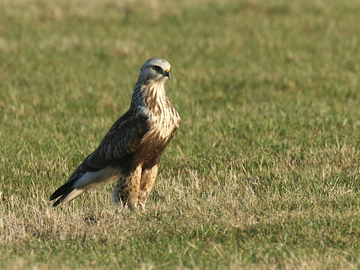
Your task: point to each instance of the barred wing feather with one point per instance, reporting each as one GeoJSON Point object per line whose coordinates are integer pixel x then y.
{"type": "Point", "coordinates": [123, 138]}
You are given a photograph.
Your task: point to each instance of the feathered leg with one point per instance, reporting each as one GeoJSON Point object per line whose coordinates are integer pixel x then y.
{"type": "Point", "coordinates": [119, 187]}
{"type": "Point", "coordinates": [127, 189]}
{"type": "Point", "coordinates": [147, 182]}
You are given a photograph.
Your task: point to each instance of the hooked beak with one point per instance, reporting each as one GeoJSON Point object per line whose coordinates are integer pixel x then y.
{"type": "Point", "coordinates": [167, 73]}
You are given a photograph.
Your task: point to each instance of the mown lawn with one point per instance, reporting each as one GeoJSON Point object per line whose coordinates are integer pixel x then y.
{"type": "Point", "coordinates": [263, 172]}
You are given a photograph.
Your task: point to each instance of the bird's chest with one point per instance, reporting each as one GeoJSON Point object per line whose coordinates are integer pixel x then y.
{"type": "Point", "coordinates": [164, 125]}
{"type": "Point", "coordinates": [162, 129]}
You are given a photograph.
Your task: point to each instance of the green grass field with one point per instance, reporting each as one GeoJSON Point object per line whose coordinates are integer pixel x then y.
{"type": "Point", "coordinates": [263, 172]}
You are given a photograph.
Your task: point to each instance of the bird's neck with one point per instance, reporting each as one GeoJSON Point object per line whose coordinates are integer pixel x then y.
{"type": "Point", "coordinates": [151, 95]}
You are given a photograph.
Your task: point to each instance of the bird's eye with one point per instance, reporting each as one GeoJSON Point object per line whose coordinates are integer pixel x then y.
{"type": "Point", "coordinates": [157, 69]}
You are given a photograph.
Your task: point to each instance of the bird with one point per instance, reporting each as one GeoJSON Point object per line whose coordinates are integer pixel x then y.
{"type": "Point", "coordinates": [131, 150]}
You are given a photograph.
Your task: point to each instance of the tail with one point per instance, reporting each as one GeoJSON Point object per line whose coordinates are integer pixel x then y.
{"type": "Point", "coordinates": [65, 194]}
{"type": "Point", "coordinates": [70, 190]}
{"type": "Point", "coordinates": [80, 181]}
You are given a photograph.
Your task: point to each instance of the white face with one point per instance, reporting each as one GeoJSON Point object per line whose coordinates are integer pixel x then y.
{"type": "Point", "coordinates": [157, 69]}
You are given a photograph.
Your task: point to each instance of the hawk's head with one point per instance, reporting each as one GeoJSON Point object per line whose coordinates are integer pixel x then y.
{"type": "Point", "coordinates": [156, 69]}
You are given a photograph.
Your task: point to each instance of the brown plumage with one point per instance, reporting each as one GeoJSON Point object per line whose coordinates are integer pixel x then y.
{"type": "Point", "coordinates": [131, 150]}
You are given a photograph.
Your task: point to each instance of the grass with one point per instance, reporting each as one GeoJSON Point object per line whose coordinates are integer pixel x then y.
{"type": "Point", "coordinates": [263, 172]}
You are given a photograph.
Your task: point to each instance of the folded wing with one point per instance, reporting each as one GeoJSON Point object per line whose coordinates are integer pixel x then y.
{"type": "Point", "coordinates": [123, 138]}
